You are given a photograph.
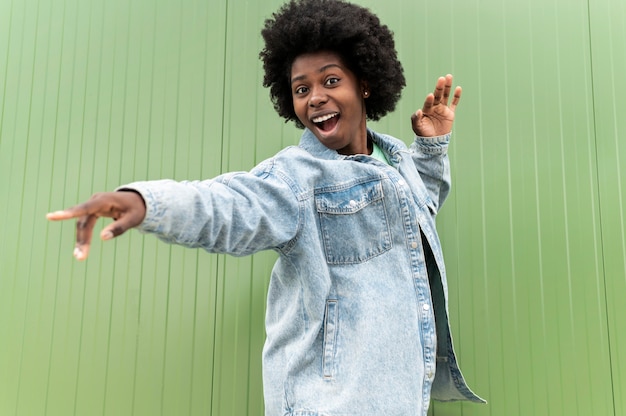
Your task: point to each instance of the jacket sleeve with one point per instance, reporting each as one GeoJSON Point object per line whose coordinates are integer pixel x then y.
{"type": "Point", "coordinates": [430, 155]}
{"type": "Point", "coordinates": [236, 213]}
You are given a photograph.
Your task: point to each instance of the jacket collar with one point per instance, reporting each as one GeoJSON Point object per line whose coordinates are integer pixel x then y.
{"type": "Point", "coordinates": [311, 144]}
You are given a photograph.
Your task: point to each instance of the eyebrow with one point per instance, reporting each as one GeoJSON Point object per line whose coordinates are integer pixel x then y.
{"type": "Point", "coordinates": [322, 69]}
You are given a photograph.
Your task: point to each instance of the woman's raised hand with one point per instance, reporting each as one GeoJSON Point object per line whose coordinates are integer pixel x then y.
{"type": "Point", "coordinates": [435, 118]}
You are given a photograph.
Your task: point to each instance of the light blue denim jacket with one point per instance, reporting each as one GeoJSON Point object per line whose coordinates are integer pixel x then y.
{"type": "Point", "coordinates": [354, 324]}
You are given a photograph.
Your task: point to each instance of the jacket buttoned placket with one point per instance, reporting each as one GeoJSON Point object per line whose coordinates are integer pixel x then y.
{"type": "Point", "coordinates": [423, 299]}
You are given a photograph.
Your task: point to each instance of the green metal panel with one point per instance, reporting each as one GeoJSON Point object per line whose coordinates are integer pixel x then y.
{"type": "Point", "coordinates": [98, 93]}
{"type": "Point", "coordinates": [608, 35]}
{"type": "Point", "coordinates": [528, 278]}
{"type": "Point", "coordinates": [534, 239]}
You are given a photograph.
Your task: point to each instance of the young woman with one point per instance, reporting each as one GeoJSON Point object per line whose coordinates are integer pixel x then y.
{"type": "Point", "coordinates": [357, 319]}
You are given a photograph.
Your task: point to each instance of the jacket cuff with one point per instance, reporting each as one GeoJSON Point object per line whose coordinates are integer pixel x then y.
{"type": "Point", "coordinates": [154, 210]}
{"type": "Point", "coordinates": [436, 145]}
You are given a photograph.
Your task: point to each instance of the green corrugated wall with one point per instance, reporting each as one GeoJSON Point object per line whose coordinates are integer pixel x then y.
{"type": "Point", "coordinates": [97, 93]}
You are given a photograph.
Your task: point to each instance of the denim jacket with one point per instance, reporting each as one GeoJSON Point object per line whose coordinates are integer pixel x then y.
{"type": "Point", "coordinates": [356, 320]}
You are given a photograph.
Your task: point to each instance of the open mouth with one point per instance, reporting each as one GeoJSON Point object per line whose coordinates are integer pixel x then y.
{"type": "Point", "coordinates": [326, 122]}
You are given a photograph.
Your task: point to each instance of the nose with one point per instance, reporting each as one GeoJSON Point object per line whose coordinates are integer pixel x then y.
{"type": "Point", "coordinates": [317, 97]}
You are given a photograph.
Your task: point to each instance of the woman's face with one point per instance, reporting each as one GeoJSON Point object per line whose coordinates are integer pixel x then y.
{"type": "Point", "coordinates": [329, 100]}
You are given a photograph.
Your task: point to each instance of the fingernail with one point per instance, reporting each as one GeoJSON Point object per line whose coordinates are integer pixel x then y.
{"type": "Point", "coordinates": [106, 235]}
{"type": "Point", "coordinates": [78, 254]}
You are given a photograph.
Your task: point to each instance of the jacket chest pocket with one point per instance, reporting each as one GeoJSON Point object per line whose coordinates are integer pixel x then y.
{"type": "Point", "coordinates": [353, 222]}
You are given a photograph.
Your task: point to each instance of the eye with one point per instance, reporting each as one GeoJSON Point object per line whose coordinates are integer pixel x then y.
{"type": "Point", "coordinates": [301, 90]}
{"type": "Point", "coordinates": [332, 80]}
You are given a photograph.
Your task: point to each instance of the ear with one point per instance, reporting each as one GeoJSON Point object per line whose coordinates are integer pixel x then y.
{"type": "Point", "coordinates": [365, 89]}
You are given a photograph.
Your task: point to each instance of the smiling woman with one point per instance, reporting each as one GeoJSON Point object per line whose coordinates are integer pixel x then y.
{"type": "Point", "coordinates": [356, 319]}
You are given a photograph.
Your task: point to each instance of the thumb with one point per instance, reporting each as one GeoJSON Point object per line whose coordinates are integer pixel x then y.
{"type": "Point", "coordinates": [416, 118]}
{"type": "Point", "coordinates": [121, 225]}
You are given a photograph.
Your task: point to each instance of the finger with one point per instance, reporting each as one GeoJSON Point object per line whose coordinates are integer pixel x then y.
{"type": "Point", "coordinates": [120, 226]}
{"type": "Point", "coordinates": [415, 118]}
{"type": "Point", "coordinates": [439, 90]}
{"type": "Point", "coordinates": [92, 206]}
{"type": "Point", "coordinates": [84, 232]}
{"type": "Point", "coordinates": [85, 226]}
{"type": "Point", "coordinates": [428, 103]}
{"type": "Point", "coordinates": [66, 214]}
{"type": "Point", "coordinates": [456, 98]}
{"type": "Point", "coordinates": [446, 89]}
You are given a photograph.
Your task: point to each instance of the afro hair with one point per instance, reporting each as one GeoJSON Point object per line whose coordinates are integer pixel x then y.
{"type": "Point", "coordinates": [355, 33]}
